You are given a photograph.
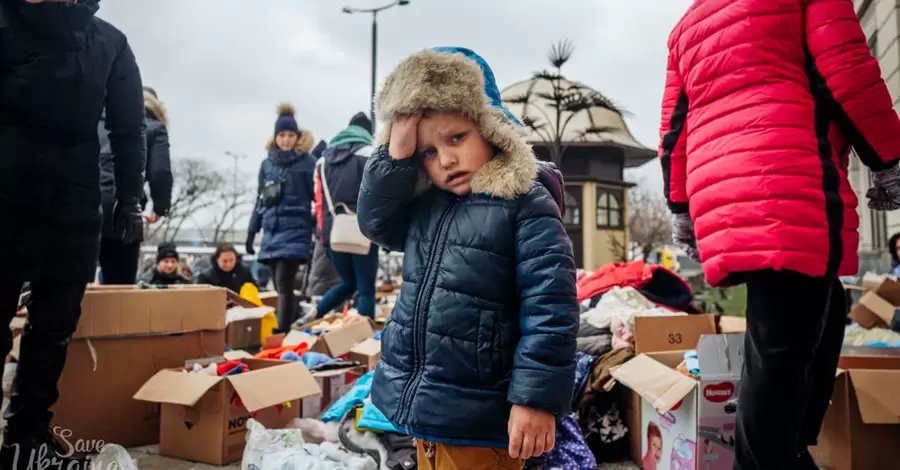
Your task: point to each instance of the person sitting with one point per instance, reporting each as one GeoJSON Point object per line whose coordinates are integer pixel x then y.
{"type": "Point", "coordinates": [166, 271]}
{"type": "Point", "coordinates": [227, 270]}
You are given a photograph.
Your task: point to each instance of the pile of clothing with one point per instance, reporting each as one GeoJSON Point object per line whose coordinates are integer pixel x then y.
{"type": "Point", "coordinates": [856, 335]}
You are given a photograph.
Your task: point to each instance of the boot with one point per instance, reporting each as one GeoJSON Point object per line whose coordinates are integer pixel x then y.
{"type": "Point", "coordinates": [37, 450]}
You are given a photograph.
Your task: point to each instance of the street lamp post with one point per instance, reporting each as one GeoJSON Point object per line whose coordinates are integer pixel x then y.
{"type": "Point", "coordinates": [374, 12]}
{"type": "Point", "coordinates": [234, 191]}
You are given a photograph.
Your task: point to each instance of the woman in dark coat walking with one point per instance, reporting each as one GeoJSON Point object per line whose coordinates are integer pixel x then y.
{"type": "Point", "coordinates": [284, 209]}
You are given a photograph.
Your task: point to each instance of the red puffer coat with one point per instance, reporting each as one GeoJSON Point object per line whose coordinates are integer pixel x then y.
{"type": "Point", "coordinates": [763, 100]}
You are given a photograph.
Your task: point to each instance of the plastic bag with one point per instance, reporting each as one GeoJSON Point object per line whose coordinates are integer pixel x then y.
{"type": "Point", "coordinates": [113, 456]}
{"type": "Point", "coordinates": [284, 449]}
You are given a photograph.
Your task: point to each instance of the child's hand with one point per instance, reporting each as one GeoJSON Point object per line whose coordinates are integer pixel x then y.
{"type": "Point", "coordinates": [531, 432]}
{"type": "Point", "coordinates": [404, 137]}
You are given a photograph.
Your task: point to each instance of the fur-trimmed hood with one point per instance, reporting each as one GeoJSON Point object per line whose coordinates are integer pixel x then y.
{"type": "Point", "coordinates": [156, 107]}
{"type": "Point", "coordinates": [305, 143]}
{"type": "Point", "coordinates": [459, 80]}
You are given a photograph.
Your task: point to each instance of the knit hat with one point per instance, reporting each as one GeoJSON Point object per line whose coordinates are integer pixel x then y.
{"type": "Point", "coordinates": [361, 120]}
{"type": "Point", "coordinates": [458, 80]}
{"type": "Point", "coordinates": [166, 250]}
{"type": "Point", "coordinates": [286, 121]}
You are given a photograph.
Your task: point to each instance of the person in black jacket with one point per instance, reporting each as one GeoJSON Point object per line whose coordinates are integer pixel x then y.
{"type": "Point", "coordinates": [226, 270]}
{"type": "Point", "coordinates": [340, 171]}
{"type": "Point", "coordinates": [118, 260]}
{"type": "Point", "coordinates": [59, 67]}
{"type": "Point", "coordinates": [165, 273]}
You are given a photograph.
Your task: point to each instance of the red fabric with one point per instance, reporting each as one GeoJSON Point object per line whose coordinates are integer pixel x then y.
{"type": "Point", "coordinates": [635, 274]}
{"type": "Point", "coordinates": [317, 187]}
{"type": "Point", "coordinates": [275, 353]}
{"type": "Point", "coordinates": [228, 366]}
{"type": "Point", "coordinates": [747, 158]}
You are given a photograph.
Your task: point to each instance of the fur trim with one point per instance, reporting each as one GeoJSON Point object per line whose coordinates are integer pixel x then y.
{"type": "Point", "coordinates": [285, 109]}
{"type": "Point", "coordinates": [305, 143]}
{"type": "Point", "coordinates": [156, 107]}
{"type": "Point", "coordinates": [431, 80]}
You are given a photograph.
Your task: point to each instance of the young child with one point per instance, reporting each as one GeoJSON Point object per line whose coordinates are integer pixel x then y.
{"type": "Point", "coordinates": [479, 353]}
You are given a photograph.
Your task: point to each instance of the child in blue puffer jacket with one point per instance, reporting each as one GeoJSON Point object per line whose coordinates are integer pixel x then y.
{"type": "Point", "coordinates": [478, 355]}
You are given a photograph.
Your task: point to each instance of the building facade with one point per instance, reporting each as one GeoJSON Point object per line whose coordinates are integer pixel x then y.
{"type": "Point", "coordinates": [880, 20]}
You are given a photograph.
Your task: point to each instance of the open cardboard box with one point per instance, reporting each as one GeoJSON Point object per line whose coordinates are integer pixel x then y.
{"type": "Point", "coordinates": [861, 429]}
{"type": "Point", "coordinates": [204, 418]}
{"type": "Point", "coordinates": [692, 421]}
{"type": "Point", "coordinates": [124, 336]}
{"type": "Point", "coordinates": [878, 307]}
{"type": "Point", "coordinates": [335, 343]}
{"type": "Point", "coordinates": [246, 325]}
{"type": "Point", "coordinates": [673, 333]}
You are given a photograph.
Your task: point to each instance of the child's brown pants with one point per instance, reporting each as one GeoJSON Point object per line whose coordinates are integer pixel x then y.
{"type": "Point", "coordinates": [434, 456]}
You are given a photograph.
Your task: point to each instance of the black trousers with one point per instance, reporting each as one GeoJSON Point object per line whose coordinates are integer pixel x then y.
{"type": "Point", "coordinates": [795, 331]}
{"type": "Point", "coordinates": [284, 272]}
{"type": "Point", "coordinates": [53, 312]}
{"type": "Point", "coordinates": [119, 261]}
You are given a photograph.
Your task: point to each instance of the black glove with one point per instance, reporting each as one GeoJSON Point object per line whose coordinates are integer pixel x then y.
{"type": "Point", "coordinates": [249, 246]}
{"type": "Point", "coordinates": [129, 223]}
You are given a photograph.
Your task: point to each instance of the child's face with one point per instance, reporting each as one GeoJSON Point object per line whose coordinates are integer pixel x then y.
{"type": "Point", "coordinates": [167, 265]}
{"type": "Point", "coordinates": [452, 150]}
{"type": "Point", "coordinates": [286, 140]}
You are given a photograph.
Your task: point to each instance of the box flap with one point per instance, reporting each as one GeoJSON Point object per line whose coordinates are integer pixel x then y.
{"type": "Point", "coordinates": [673, 333]}
{"type": "Point", "coordinates": [729, 324]}
{"type": "Point", "coordinates": [369, 347]}
{"type": "Point", "coordinates": [721, 357]}
{"type": "Point", "coordinates": [341, 340]}
{"type": "Point", "coordinates": [237, 355]}
{"type": "Point", "coordinates": [873, 310]}
{"type": "Point", "coordinates": [294, 337]}
{"type": "Point", "coordinates": [243, 313]}
{"type": "Point", "coordinates": [876, 395]}
{"type": "Point", "coordinates": [176, 387]}
{"type": "Point", "coordinates": [334, 372]}
{"type": "Point", "coordinates": [236, 299]}
{"type": "Point", "coordinates": [262, 388]}
{"type": "Point", "coordinates": [661, 386]}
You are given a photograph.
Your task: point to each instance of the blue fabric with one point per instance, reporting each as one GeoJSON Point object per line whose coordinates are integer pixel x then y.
{"type": "Point", "coordinates": [583, 363]}
{"type": "Point", "coordinates": [882, 344]}
{"type": "Point", "coordinates": [373, 419]}
{"type": "Point", "coordinates": [490, 83]}
{"type": "Point", "coordinates": [357, 274]}
{"type": "Point", "coordinates": [357, 394]}
{"type": "Point", "coordinates": [571, 451]}
{"type": "Point", "coordinates": [287, 226]}
{"type": "Point", "coordinates": [486, 321]}
{"type": "Point", "coordinates": [692, 363]}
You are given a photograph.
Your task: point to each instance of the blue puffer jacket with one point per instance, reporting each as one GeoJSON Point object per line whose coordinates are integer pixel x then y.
{"type": "Point", "coordinates": [487, 314]}
{"type": "Point", "coordinates": [287, 226]}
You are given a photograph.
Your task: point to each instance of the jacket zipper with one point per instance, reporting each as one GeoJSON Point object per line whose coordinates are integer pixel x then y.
{"type": "Point", "coordinates": [421, 310]}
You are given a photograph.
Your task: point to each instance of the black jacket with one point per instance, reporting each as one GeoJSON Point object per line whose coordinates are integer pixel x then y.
{"type": "Point", "coordinates": [158, 169]}
{"type": "Point", "coordinates": [156, 278]}
{"type": "Point", "coordinates": [487, 314]}
{"type": "Point", "coordinates": [59, 67]}
{"type": "Point", "coordinates": [234, 280]}
{"type": "Point", "coordinates": [343, 167]}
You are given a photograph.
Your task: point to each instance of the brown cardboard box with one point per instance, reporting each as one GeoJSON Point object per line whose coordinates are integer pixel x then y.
{"type": "Point", "coordinates": [861, 430]}
{"type": "Point", "coordinates": [269, 299]}
{"type": "Point", "coordinates": [334, 384]}
{"type": "Point", "coordinates": [244, 324]}
{"type": "Point", "coordinates": [367, 353]}
{"type": "Point", "coordinates": [124, 336]}
{"type": "Point", "coordinates": [337, 343]}
{"type": "Point", "coordinates": [204, 418]}
{"type": "Point", "coordinates": [728, 324]}
{"type": "Point", "coordinates": [675, 333]}
{"type": "Point", "coordinates": [876, 307]}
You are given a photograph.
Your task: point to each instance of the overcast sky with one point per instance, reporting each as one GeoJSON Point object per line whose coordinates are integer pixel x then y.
{"type": "Point", "coordinates": [221, 66]}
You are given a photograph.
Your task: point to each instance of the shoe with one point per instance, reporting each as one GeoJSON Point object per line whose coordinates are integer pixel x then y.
{"type": "Point", "coordinates": [38, 451]}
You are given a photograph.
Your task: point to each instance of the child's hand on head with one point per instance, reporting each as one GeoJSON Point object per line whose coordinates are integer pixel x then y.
{"type": "Point", "coordinates": [531, 432]}
{"type": "Point", "coordinates": [403, 137]}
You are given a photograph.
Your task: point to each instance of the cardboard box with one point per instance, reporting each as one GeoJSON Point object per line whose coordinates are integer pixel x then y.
{"type": "Point", "coordinates": [244, 326]}
{"type": "Point", "coordinates": [367, 353]}
{"type": "Point", "coordinates": [675, 333]}
{"type": "Point", "coordinates": [269, 299]}
{"type": "Point", "coordinates": [729, 324]}
{"type": "Point", "coordinates": [124, 337]}
{"type": "Point", "coordinates": [334, 384]}
{"type": "Point", "coordinates": [685, 423]}
{"type": "Point", "coordinates": [877, 307]}
{"type": "Point", "coordinates": [337, 343]}
{"type": "Point", "coordinates": [204, 418]}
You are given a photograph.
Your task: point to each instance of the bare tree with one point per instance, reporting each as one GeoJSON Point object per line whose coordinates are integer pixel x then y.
{"type": "Point", "coordinates": [648, 225]}
{"type": "Point", "coordinates": [558, 107]}
{"type": "Point", "coordinates": [194, 186]}
{"type": "Point", "coordinates": [235, 202]}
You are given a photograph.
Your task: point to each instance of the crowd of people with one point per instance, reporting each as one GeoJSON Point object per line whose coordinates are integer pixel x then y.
{"type": "Point", "coordinates": [762, 105]}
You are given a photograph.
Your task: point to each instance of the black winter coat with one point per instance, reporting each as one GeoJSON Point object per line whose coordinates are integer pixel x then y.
{"type": "Point", "coordinates": [234, 280]}
{"type": "Point", "coordinates": [487, 313]}
{"type": "Point", "coordinates": [156, 278]}
{"type": "Point", "coordinates": [343, 166]}
{"type": "Point", "coordinates": [158, 168]}
{"type": "Point", "coordinates": [59, 67]}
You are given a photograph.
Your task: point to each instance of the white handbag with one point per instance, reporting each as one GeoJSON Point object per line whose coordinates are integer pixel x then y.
{"type": "Point", "coordinates": [346, 237]}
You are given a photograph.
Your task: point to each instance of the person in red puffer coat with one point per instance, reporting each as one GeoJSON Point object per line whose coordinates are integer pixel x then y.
{"type": "Point", "coordinates": [763, 102]}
